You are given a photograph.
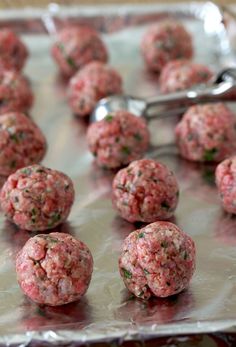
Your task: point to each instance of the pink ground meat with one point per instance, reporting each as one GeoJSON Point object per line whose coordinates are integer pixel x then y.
{"type": "Point", "coordinates": [13, 52]}
{"type": "Point", "coordinates": [21, 142]}
{"type": "Point", "coordinates": [76, 47]}
{"type": "Point", "coordinates": [15, 92]}
{"type": "Point", "coordinates": [183, 74]}
{"type": "Point", "coordinates": [226, 183]}
{"type": "Point", "coordinates": [157, 260]}
{"type": "Point", "coordinates": [37, 198]}
{"type": "Point", "coordinates": [165, 41]}
{"type": "Point", "coordinates": [93, 82]}
{"type": "Point", "coordinates": [207, 133]}
{"type": "Point", "coordinates": [145, 191]}
{"type": "Point", "coordinates": [118, 139]}
{"type": "Point", "coordinates": [54, 269]}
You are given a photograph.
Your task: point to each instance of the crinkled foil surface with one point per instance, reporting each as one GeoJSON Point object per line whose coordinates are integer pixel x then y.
{"type": "Point", "coordinates": [108, 311]}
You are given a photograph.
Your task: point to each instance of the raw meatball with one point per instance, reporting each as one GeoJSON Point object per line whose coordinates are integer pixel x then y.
{"type": "Point", "coordinates": [207, 133]}
{"type": "Point", "coordinates": [165, 41]}
{"type": "Point", "coordinates": [37, 198]}
{"type": "Point", "coordinates": [158, 260]}
{"type": "Point", "coordinates": [183, 74]}
{"type": "Point", "coordinates": [92, 83]}
{"type": "Point", "coordinates": [77, 46]}
{"type": "Point", "coordinates": [21, 142]}
{"type": "Point", "coordinates": [145, 191]}
{"type": "Point", "coordinates": [54, 269]}
{"type": "Point", "coordinates": [118, 139]}
{"type": "Point", "coordinates": [226, 183]}
{"type": "Point", "coordinates": [13, 52]}
{"type": "Point", "coordinates": [15, 92]}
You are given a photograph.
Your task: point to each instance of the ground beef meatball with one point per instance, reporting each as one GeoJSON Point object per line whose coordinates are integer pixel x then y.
{"type": "Point", "coordinates": [92, 83]}
{"type": "Point", "coordinates": [158, 260]}
{"type": "Point", "coordinates": [21, 142]}
{"type": "Point", "coordinates": [118, 139]}
{"type": "Point", "coordinates": [145, 191]}
{"type": "Point", "coordinates": [37, 198]}
{"type": "Point", "coordinates": [183, 74]}
{"type": "Point", "coordinates": [226, 183]}
{"type": "Point", "coordinates": [15, 92]}
{"type": "Point", "coordinates": [76, 47]}
{"type": "Point", "coordinates": [165, 41]}
{"type": "Point", "coordinates": [207, 133]}
{"type": "Point", "coordinates": [13, 52]}
{"type": "Point", "coordinates": [54, 269]}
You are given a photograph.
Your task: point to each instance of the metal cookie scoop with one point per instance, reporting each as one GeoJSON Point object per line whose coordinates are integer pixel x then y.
{"type": "Point", "coordinates": [168, 104]}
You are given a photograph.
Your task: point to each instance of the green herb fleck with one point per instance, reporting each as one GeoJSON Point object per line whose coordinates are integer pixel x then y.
{"type": "Point", "coordinates": [120, 186]}
{"type": "Point", "coordinates": [177, 194]}
{"type": "Point", "coordinates": [61, 47]}
{"type": "Point", "coordinates": [190, 137]}
{"type": "Point", "coordinates": [26, 171]}
{"type": "Point", "coordinates": [209, 154]}
{"type": "Point", "coordinates": [139, 173]}
{"type": "Point", "coordinates": [165, 205]}
{"type": "Point", "coordinates": [17, 136]}
{"type": "Point", "coordinates": [14, 138]}
{"type": "Point", "coordinates": [52, 240]}
{"type": "Point", "coordinates": [126, 150]}
{"type": "Point", "coordinates": [164, 244]}
{"type": "Point", "coordinates": [138, 137]}
{"type": "Point", "coordinates": [146, 272]}
{"type": "Point", "coordinates": [108, 118]}
{"type": "Point", "coordinates": [127, 274]}
{"type": "Point", "coordinates": [33, 212]}
{"type": "Point", "coordinates": [48, 238]}
{"type": "Point", "coordinates": [33, 215]}
{"type": "Point", "coordinates": [71, 62]}
{"type": "Point", "coordinates": [185, 256]}
{"type": "Point", "coordinates": [140, 236]}
{"type": "Point", "coordinates": [55, 217]}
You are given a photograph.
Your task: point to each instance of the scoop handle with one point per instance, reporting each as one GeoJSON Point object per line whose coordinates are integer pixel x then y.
{"type": "Point", "coordinates": [211, 93]}
{"type": "Point", "coordinates": [227, 75]}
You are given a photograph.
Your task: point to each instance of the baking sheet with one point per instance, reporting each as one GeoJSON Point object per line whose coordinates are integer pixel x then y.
{"type": "Point", "coordinates": [108, 311]}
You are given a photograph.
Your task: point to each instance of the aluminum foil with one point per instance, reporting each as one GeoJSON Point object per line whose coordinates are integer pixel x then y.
{"type": "Point", "coordinates": [108, 312]}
